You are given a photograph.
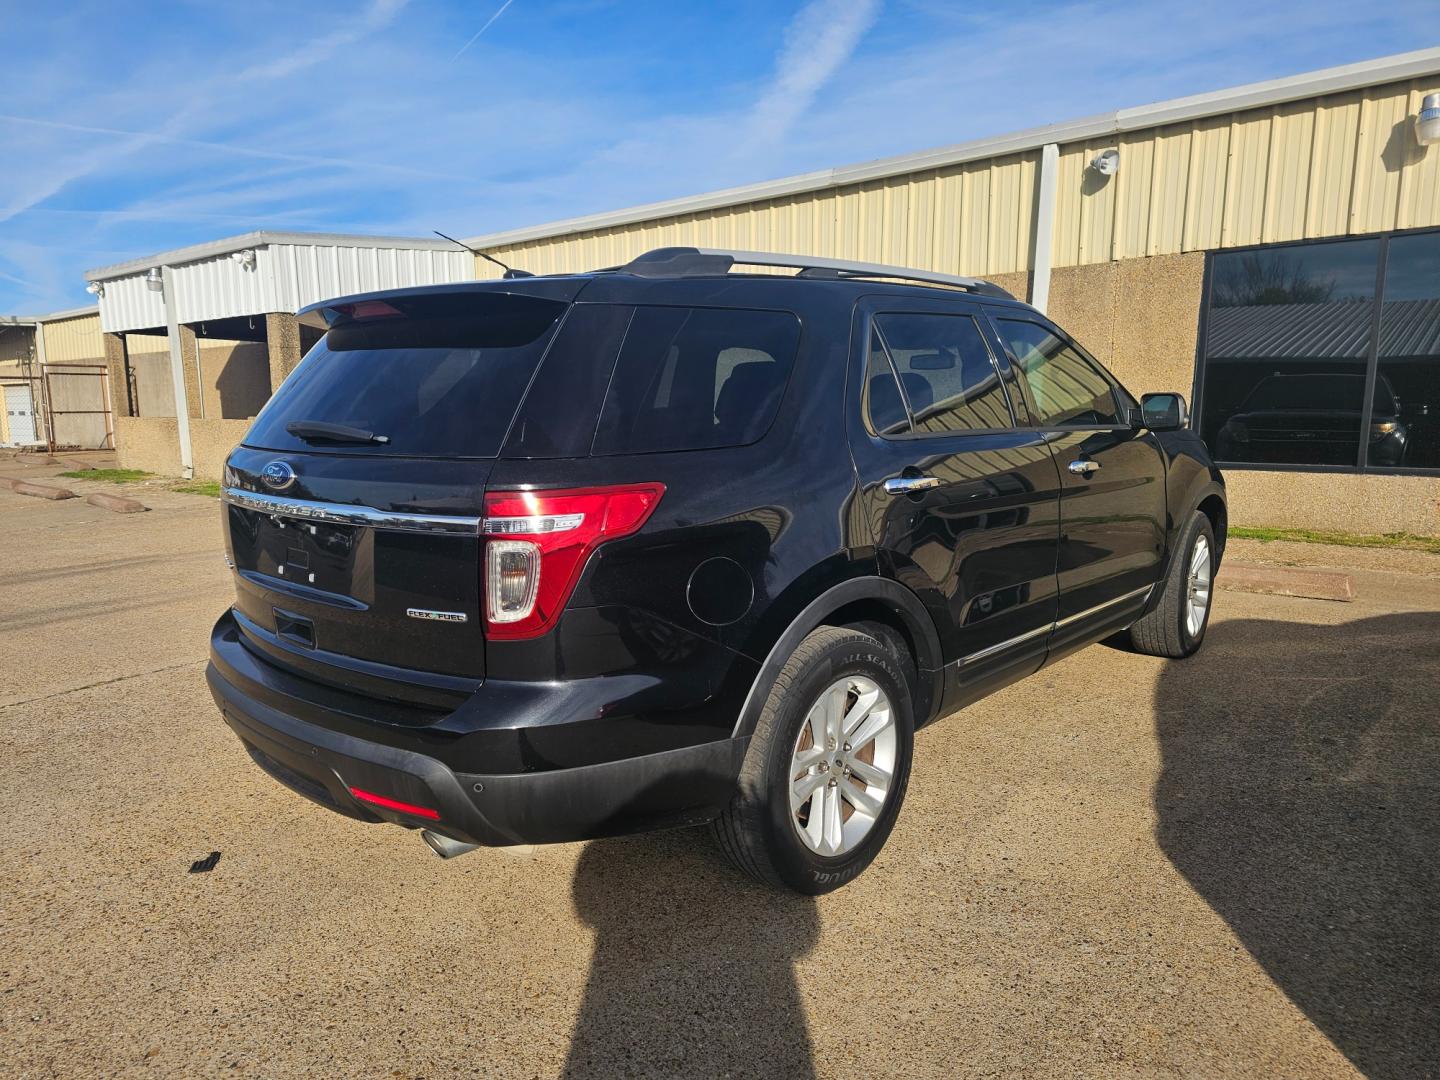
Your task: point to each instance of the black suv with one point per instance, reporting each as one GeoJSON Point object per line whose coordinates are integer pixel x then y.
{"type": "Point", "coordinates": [551, 558]}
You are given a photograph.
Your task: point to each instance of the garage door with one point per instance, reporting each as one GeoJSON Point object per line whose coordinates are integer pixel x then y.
{"type": "Point", "coordinates": [20, 414]}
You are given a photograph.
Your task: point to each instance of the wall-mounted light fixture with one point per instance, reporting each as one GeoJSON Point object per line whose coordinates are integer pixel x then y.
{"type": "Point", "coordinates": [1106, 163]}
{"type": "Point", "coordinates": [245, 258]}
{"type": "Point", "coordinates": [95, 288]}
{"type": "Point", "coordinates": [154, 280]}
{"type": "Point", "coordinates": [1427, 120]}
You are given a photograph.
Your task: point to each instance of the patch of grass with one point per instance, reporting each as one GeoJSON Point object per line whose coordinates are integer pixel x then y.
{"type": "Point", "coordinates": [113, 476]}
{"type": "Point", "coordinates": [1401, 541]}
{"type": "Point", "coordinates": [200, 487]}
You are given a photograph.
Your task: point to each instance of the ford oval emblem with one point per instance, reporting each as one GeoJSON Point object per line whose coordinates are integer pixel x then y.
{"type": "Point", "coordinates": [278, 475]}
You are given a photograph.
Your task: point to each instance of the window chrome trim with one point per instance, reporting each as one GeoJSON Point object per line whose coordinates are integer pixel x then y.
{"type": "Point", "coordinates": [1020, 639]}
{"type": "Point", "coordinates": [346, 514]}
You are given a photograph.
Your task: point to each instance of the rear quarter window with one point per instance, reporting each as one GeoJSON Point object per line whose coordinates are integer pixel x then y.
{"type": "Point", "coordinates": [697, 379]}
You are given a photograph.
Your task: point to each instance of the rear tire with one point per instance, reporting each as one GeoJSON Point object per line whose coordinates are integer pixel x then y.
{"type": "Point", "coordinates": [827, 766]}
{"type": "Point", "coordinates": [1176, 627]}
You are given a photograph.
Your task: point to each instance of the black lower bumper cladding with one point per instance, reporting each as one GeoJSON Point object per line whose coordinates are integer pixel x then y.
{"type": "Point", "coordinates": [677, 787]}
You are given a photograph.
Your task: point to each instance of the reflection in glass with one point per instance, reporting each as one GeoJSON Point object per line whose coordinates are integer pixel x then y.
{"type": "Point", "coordinates": [1285, 357]}
{"type": "Point", "coordinates": [1408, 432]}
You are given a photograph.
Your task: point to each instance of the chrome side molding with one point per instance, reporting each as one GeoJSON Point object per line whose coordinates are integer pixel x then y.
{"type": "Point", "coordinates": [1020, 639]}
{"type": "Point", "coordinates": [346, 514]}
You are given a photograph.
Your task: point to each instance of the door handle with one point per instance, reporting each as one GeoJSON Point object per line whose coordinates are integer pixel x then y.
{"type": "Point", "coordinates": [1083, 467]}
{"type": "Point", "coordinates": [908, 485]}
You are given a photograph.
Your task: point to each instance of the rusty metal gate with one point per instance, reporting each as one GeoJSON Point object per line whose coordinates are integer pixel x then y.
{"type": "Point", "coordinates": [77, 407]}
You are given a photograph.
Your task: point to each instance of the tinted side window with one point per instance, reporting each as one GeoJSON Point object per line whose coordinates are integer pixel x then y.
{"type": "Point", "coordinates": [1066, 387]}
{"type": "Point", "coordinates": [884, 406]}
{"type": "Point", "coordinates": [563, 403]}
{"type": "Point", "coordinates": [946, 372]}
{"type": "Point", "coordinates": [697, 378]}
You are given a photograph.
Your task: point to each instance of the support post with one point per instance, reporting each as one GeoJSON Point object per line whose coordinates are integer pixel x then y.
{"type": "Point", "coordinates": [177, 372]}
{"type": "Point", "coordinates": [190, 353]}
{"type": "Point", "coordinates": [1044, 227]}
{"type": "Point", "coordinates": [117, 365]}
{"type": "Point", "coordinates": [282, 338]}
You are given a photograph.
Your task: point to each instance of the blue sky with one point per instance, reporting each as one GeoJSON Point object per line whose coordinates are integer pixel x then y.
{"type": "Point", "coordinates": [129, 128]}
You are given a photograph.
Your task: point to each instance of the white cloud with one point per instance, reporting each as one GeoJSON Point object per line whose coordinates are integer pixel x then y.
{"type": "Point", "coordinates": [818, 42]}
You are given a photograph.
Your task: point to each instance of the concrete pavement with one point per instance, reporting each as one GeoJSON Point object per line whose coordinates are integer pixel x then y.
{"type": "Point", "coordinates": [1121, 867]}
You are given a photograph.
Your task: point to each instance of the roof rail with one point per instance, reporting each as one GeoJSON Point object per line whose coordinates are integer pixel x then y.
{"type": "Point", "coordinates": [697, 262]}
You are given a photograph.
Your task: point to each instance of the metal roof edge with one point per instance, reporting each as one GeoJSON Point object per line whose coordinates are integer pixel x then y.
{"type": "Point", "coordinates": [54, 316]}
{"type": "Point", "coordinates": [1385, 69]}
{"type": "Point", "coordinates": [261, 238]}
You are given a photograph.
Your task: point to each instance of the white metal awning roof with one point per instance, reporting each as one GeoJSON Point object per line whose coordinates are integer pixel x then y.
{"type": "Point", "coordinates": [219, 280]}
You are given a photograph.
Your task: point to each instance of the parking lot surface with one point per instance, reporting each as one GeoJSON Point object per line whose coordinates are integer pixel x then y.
{"type": "Point", "coordinates": [1121, 867]}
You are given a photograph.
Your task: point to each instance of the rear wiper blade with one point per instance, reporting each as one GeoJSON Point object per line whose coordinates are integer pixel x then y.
{"type": "Point", "coordinates": [321, 429]}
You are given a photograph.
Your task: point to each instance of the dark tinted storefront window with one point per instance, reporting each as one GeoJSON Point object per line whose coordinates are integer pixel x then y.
{"type": "Point", "coordinates": [1406, 432]}
{"type": "Point", "coordinates": [1285, 353]}
{"type": "Point", "coordinates": [1291, 345]}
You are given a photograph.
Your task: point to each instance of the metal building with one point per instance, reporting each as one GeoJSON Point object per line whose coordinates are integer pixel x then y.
{"type": "Point", "coordinates": [54, 383]}
{"type": "Point", "coordinates": [1139, 228]}
{"type": "Point", "coordinates": [196, 339]}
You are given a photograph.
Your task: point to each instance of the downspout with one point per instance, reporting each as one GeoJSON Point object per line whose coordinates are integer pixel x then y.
{"type": "Point", "coordinates": [1044, 227]}
{"type": "Point", "coordinates": [177, 373]}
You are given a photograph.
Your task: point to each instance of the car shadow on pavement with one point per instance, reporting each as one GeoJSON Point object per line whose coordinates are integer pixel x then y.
{"type": "Point", "coordinates": [693, 968]}
{"type": "Point", "coordinates": [1300, 797]}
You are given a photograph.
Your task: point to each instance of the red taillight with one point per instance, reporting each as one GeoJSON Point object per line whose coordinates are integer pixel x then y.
{"type": "Point", "coordinates": [537, 543]}
{"type": "Point", "coordinates": [395, 804]}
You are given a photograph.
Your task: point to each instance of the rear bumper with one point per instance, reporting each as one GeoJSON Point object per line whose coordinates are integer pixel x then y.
{"type": "Point", "coordinates": [677, 787]}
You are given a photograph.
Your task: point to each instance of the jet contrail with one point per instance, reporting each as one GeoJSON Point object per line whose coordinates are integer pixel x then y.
{"type": "Point", "coordinates": [482, 30]}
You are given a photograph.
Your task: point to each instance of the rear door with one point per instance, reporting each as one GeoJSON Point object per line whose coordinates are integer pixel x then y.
{"type": "Point", "coordinates": [1112, 506]}
{"type": "Point", "coordinates": [353, 505]}
{"type": "Point", "coordinates": [963, 504]}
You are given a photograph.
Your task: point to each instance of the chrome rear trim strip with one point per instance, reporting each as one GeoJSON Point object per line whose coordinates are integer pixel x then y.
{"type": "Point", "coordinates": [345, 514]}
{"type": "Point", "coordinates": [1020, 639]}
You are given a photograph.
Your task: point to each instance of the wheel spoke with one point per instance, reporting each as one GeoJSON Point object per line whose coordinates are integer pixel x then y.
{"type": "Point", "coordinates": [873, 725]}
{"type": "Point", "coordinates": [816, 720]}
{"type": "Point", "coordinates": [871, 774]}
{"type": "Point", "coordinates": [815, 823]}
{"type": "Point", "coordinates": [859, 711]}
{"type": "Point", "coordinates": [860, 799]}
{"type": "Point", "coordinates": [803, 789]}
{"type": "Point", "coordinates": [835, 713]}
{"type": "Point", "coordinates": [834, 823]}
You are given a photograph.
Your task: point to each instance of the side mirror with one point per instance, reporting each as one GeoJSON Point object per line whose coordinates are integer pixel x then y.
{"type": "Point", "coordinates": [1163, 412]}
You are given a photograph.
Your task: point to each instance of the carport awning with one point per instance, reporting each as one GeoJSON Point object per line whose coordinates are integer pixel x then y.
{"type": "Point", "coordinates": [263, 272]}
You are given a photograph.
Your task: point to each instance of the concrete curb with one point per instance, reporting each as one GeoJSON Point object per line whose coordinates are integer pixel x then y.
{"type": "Point", "coordinates": [118, 503]}
{"type": "Point", "coordinates": [40, 491]}
{"type": "Point", "coordinates": [1286, 581]}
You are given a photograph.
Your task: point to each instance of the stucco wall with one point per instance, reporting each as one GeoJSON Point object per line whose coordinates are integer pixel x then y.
{"type": "Point", "coordinates": [1348, 503]}
{"type": "Point", "coordinates": [1139, 317]}
{"type": "Point", "coordinates": [153, 444]}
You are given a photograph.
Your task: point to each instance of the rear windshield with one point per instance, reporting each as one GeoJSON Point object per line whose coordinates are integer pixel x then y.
{"type": "Point", "coordinates": [436, 376]}
{"type": "Point", "coordinates": [696, 378]}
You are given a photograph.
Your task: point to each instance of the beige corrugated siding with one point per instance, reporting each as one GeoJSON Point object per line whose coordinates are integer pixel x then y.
{"type": "Point", "coordinates": [74, 341]}
{"type": "Point", "coordinates": [1328, 166]}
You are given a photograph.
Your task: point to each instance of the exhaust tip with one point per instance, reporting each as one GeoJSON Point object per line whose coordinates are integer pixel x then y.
{"type": "Point", "coordinates": [444, 846]}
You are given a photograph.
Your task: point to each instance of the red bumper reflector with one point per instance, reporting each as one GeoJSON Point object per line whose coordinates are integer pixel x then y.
{"type": "Point", "coordinates": [395, 804]}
